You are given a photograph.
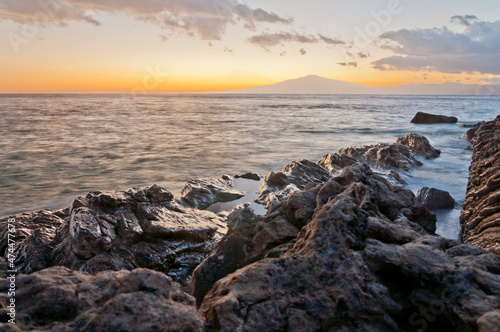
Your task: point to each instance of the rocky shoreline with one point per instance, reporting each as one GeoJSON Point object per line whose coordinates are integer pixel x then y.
{"type": "Point", "coordinates": [342, 247]}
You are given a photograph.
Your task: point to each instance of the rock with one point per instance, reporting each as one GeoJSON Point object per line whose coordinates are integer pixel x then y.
{"type": "Point", "coordinates": [59, 299]}
{"type": "Point", "coordinates": [435, 199]}
{"type": "Point", "coordinates": [335, 162]}
{"type": "Point", "coordinates": [277, 187]}
{"type": "Point", "coordinates": [367, 260]}
{"type": "Point", "coordinates": [489, 322]}
{"type": "Point", "coordinates": [384, 155]}
{"type": "Point", "coordinates": [480, 218]}
{"type": "Point", "coordinates": [249, 176]}
{"type": "Point", "coordinates": [427, 118]}
{"type": "Point", "coordinates": [419, 145]}
{"type": "Point", "coordinates": [469, 135]}
{"type": "Point", "coordinates": [202, 193]}
{"type": "Point", "coordinates": [141, 227]}
{"type": "Point", "coordinates": [394, 177]}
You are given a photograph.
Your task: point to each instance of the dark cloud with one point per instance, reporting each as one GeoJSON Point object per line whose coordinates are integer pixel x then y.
{"type": "Point", "coordinates": [331, 41]}
{"type": "Point", "coordinates": [362, 55]}
{"type": "Point", "coordinates": [302, 51]}
{"type": "Point", "coordinates": [466, 20]}
{"type": "Point", "coordinates": [205, 19]}
{"type": "Point", "coordinates": [477, 49]}
{"type": "Point", "coordinates": [348, 64]}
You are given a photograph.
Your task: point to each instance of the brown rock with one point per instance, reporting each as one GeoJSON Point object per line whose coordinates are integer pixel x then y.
{"type": "Point", "coordinates": [435, 199]}
{"type": "Point", "coordinates": [427, 118]}
{"type": "Point", "coordinates": [419, 145]}
{"type": "Point", "coordinates": [202, 193]}
{"type": "Point", "coordinates": [480, 218]}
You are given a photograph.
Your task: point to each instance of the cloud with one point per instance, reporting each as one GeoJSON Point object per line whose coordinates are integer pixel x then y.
{"type": "Point", "coordinates": [477, 49]}
{"type": "Point", "coordinates": [348, 64]}
{"type": "Point", "coordinates": [302, 51]}
{"type": "Point", "coordinates": [272, 39]}
{"type": "Point", "coordinates": [466, 20]}
{"type": "Point", "coordinates": [204, 19]}
{"type": "Point", "coordinates": [362, 55]}
{"type": "Point", "coordinates": [331, 41]}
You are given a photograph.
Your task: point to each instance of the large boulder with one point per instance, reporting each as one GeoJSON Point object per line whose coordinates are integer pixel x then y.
{"type": "Point", "coordinates": [419, 145]}
{"type": "Point", "coordinates": [384, 155]}
{"type": "Point", "coordinates": [202, 193]}
{"type": "Point", "coordinates": [367, 260]}
{"type": "Point", "coordinates": [427, 118]}
{"type": "Point", "coordinates": [58, 299]}
{"type": "Point", "coordinates": [251, 238]}
{"type": "Point", "coordinates": [334, 162]}
{"type": "Point", "coordinates": [435, 199]}
{"type": "Point", "coordinates": [480, 218]}
{"type": "Point", "coordinates": [142, 227]}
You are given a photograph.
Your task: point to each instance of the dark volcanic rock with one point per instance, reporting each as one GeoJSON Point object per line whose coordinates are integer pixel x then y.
{"type": "Point", "coordinates": [202, 193]}
{"type": "Point", "coordinates": [117, 230]}
{"type": "Point", "coordinates": [419, 145]}
{"type": "Point", "coordinates": [427, 118]}
{"type": "Point", "coordinates": [335, 162]}
{"type": "Point", "coordinates": [384, 155]}
{"type": "Point", "coordinates": [435, 199]}
{"type": "Point", "coordinates": [480, 218]}
{"type": "Point", "coordinates": [249, 176]}
{"type": "Point", "coordinates": [364, 261]}
{"type": "Point", "coordinates": [58, 299]}
{"type": "Point", "coordinates": [277, 187]}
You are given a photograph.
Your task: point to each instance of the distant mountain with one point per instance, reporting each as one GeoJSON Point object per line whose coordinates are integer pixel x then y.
{"type": "Point", "coordinates": [319, 85]}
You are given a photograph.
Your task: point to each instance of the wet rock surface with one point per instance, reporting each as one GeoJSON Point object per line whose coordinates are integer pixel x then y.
{"type": "Point", "coordinates": [59, 299]}
{"type": "Point", "coordinates": [117, 230]}
{"type": "Point", "coordinates": [366, 259]}
{"type": "Point", "coordinates": [480, 218]}
{"type": "Point", "coordinates": [435, 199]}
{"type": "Point", "coordinates": [202, 193]}
{"type": "Point", "coordinates": [427, 118]}
{"type": "Point", "coordinates": [335, 162]}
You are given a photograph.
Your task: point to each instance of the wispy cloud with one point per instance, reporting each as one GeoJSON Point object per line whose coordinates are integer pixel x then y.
{"type": "Point", "coordinates": [477, 49]}
{"type": "Point", "coordinates": [205, 19]}
{"type": "Point", "coordinates": [348, 64]}
{"type": "Point", "coordinates": [272, 39]}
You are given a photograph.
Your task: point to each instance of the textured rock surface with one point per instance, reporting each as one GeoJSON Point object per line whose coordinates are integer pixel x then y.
{"type": "Point", "coordinates": [480, 218]}
{"type": "Point", "coordinates": [202, 193]}
{"type": "Point", "coordinates": [384, 155]}
{"type": "Point", "coordinates": [435, 199]}
{"type": "Point", "coordinates": [334, 162]}
{"type": "Point", "coordinates": [249, 176]}
{"type": "Point", "coordinates": [427, 118]}
{"type": "Point", "coordinates": [366, 260]}
{"type": "Point", "coordinates": [58, 299]}
{"type": "Point", "coordinates": [118, 230]}
{"type": "Point", "coordinates": [278, 186]}
{"type": "Point", "coordinates": [419, 145]}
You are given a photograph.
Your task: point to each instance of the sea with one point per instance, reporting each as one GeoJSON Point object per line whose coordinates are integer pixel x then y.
{"type": "Point", "coordinates": [54, 147]}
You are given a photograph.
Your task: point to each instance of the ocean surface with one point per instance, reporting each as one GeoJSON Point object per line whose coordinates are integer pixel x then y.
{"type": "Point", "coordinates": [54, 147]}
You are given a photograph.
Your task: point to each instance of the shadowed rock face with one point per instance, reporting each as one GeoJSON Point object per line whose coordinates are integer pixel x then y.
{"type": "Point", "coordinates": [427, 118]}
{"type": "Point", "coordinates": [118, 230]}
{"type": "Point", "coordinates": [365, 260]}
{"type": "Point", "coordinates": [435, 199]}
{"type": "Point", "coordinates": [419, 145]}
{"type": "Point", "coordinates": [480, 218]}
{"type": "Point", "coordinates": [59, 299]}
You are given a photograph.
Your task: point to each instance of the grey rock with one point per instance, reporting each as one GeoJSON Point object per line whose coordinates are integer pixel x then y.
{"type": "Point", "coordinates": [202, 193]}
{"type": "Point", "coordinates": [435, 199]}
{"type": "Point", "coordinates": [419, 145]}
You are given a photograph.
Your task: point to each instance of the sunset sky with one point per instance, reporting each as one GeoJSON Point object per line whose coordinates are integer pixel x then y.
{"type": "Point", "coordinates": [206, 45]}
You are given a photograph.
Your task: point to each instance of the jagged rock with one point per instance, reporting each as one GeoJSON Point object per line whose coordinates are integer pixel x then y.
{"type": "Point", "coordinates": [469, 135]}
{"type": "Point", "coordinates": [277, 187]}
{"type": "Point", "coordinates": [394, 177]}
{"type": "Point", "coordinates": [480, 218]}
{"type": "Point", "coordinates": [365, 261]}
{"type": "Point", "coordinates": [202, 193]}
{"type": "Point", "coordinates": [384, 155]}
{"type": "Point", "coordinates": [249, 176]}
{"type": "Point", "coordinates": [435, 199]}
{"type": "Point", "coordinates": [252, 237]}
{"type": "Point", "coordinates": [335, 162]}
{"type": "Point", "coordinates": [118, 230]}
{"type": "Point", "coordinates": [419, 145]}
{"type": "Point", "coordinates": [427, 118]}
{"type": "Point", "coordinates": [58, 299]}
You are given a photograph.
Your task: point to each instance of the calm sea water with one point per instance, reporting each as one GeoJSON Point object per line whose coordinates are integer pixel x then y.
{"type": "Point", "coordinates": [54, 147]}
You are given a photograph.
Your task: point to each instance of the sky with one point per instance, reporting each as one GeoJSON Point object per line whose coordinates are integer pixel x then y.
{"type": "Point", "coordinates": [210, 45]}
